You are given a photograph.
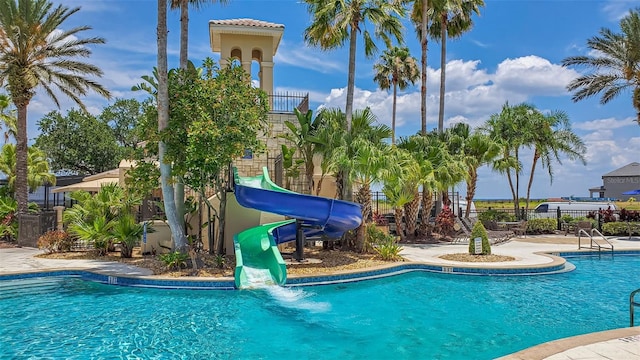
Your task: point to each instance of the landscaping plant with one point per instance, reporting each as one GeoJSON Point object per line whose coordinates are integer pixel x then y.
{"type": "Point", "coordinates": [479, 231]}
{"type": "Point", "coordinates": [55, 241]}
{"type": "Point", "coordinates": [175, 260]}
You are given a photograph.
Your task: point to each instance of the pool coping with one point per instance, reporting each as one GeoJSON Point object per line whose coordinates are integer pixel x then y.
{"type": "Point", "coordinates": [558, 264]}
{"type": "Point", "coordinates": [554, 347]}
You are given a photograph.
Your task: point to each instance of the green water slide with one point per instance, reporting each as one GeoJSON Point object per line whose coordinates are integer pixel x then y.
{"type": "Point", "coordinates": [256, 248]}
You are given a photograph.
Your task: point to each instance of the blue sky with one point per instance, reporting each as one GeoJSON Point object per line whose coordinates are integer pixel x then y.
{"type": "Point", "coordinates": [512, 54]}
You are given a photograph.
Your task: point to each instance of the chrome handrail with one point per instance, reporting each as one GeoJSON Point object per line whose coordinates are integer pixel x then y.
{"type": "Point", "coordinates": [602, 236]}
{"type": "Point", "coordinates": [580, 232]}
{"type": "Point", "coordinates": [632, 305]}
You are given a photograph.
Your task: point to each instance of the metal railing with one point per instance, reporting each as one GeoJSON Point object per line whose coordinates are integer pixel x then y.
{"type": "Point", "coordinates": [593, 244]}
{"type": "Point", "coordinates": [632, 304]}
{"type": "Point", "coordinates": [287, 102]}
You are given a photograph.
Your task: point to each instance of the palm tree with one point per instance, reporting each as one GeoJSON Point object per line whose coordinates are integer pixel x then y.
{"type": "Point", "coordinates": [396, 69]}
{"type": "Point", "coordinates": [510, 129]}
{"type": "Point", "coordinates": [38, 168]}
{"type": "Point", "coordinates": [477, 150]}
{"type": "Point", "coordinates": [552, 136]}
{"type": "Point", "coordinates": [615, 62]}
{"type": "Point", "coordinates": [420, 18]}
{"type": "Point", "coordinates": [336, 21]}
{"type": "Point", "coordinates": [183, 5]}
{"type": "Point", "coordinates": [398, 186]}
{"type": "Point", "coordinates": [303, 136]}
{"type": "Point", "coordinates": [175, 224]}
{"type": "Point", "coordinates": [8, 119]}
{"type": "Point", "coordinates": [451, 19]}
{"type": "Point", "coordinates": [35, 52]}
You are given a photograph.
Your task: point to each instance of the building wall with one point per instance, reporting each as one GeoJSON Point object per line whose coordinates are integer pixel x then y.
{"type": "Point", "coordinates": [616, 185]}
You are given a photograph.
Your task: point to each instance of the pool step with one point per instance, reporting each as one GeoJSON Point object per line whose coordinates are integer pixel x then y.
{"type": "Point", "coordinates": [16, 288]}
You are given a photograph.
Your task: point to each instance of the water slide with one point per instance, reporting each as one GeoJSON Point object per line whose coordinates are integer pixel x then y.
{"type": "Point", "coordinates": [256, 248]}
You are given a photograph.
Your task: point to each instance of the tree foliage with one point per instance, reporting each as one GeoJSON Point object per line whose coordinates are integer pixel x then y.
{"type": "Point", "coordinates": [38, 50]}
{"type": "Point", "coordinates": [78, 142]}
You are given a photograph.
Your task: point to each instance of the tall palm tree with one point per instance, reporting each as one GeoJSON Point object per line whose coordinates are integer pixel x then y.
{"type": "Point", "coordinates": [335, 22]}
{"type": "Point", "coordinates": [615, 64]}
{"type": "Point", "coordinates": [477, 150]}
{"type": "Point", "coordinates": [420, 18]}
{"type": "Point", "coordinates": [510, 129]}
{"type": "Point", "coordinates": [175, 224]}
{"type": "Point", "coordinates": [552, 137]}
{"type": "Point", "coordinates": [397, 69]}
{"type": "Point", "coordinates": [451, 18]}
{"type": "Point", "coordinates": [184, 5]}
{"type": "Point", "coordinates": [7, 118]}
{"type": "Point", "coordinates": [35, 52]}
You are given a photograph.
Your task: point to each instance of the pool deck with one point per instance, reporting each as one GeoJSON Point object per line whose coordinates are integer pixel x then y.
{"type": "Point", "coordinates": [531, 251]}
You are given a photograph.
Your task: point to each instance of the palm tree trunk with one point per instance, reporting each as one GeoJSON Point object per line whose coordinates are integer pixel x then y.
{"type": "Point", "coordinates": [393, 114]}
{"type": "Point", "coordinates": [20, 186]}
{"type": "Point", "coordinates": [426, 205]}
{"type": "Point", "coordinates": [471, 191]}
{"type": "Point", "coordinates": [184, 59]}
{"type": "Point", "coordinates": [423, 67]}
{"type": "Point", "coordinates": [184, 33]}
{"type": "Point", "coordinates": [309, 170]}
{"type": "Point", "coordinates": [363, 197]}
{"type": "Point", "coordinates": [347, 191]}
{"type": "Point", "coordinates": [177, 230]}
{"type": "Point", "coordinates": [398, 219]}
{"type": "Point", "coordinates": [319, 187]}
{"type": "Point", "coordinates": [443, 67]}
{"type": "Point", "coordinates": [536, 156]}
{"type": "Point", "coordinates": [411, 214]}
{"type": "Point", "coordinates": [516, 200]}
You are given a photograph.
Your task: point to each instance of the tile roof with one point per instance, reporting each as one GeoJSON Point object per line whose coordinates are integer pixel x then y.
{"type": "Point", "coordinates": [632, 169]}
{"type": "Point", "coordinates": [246, 22]}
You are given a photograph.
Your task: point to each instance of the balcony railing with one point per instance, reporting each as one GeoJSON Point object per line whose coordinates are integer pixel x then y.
{"type": "Point", "coordinates": [287, 102]}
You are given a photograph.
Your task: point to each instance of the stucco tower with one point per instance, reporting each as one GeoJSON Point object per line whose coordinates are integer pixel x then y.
{"type": "Point", "coordinates": [247, 40]}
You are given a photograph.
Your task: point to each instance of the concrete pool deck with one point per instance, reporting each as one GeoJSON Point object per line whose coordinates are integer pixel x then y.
{"type": "Point", "coordinates": [621, 343]}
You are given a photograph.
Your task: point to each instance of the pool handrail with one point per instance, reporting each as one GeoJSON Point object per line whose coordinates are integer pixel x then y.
{"type": "Point", "coordinates": [632, 305]}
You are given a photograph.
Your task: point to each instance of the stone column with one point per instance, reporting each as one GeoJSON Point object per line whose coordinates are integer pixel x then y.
{"type": "Point", "coordinates": [59, 224]}
{"type": "Point", "coordinates": [266, 80]}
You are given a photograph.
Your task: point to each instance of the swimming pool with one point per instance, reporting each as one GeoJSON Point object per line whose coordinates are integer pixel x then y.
{"type": "Point", "coordinates": [415, 315]}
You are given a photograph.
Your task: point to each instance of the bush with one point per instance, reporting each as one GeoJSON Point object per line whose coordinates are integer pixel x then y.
{"type": "Point", "coordinates": [495, 215]}
{"type": "Point", "coordinates": [620, 228]}
{"type": "Point", "coordinates": [175, 260]}
{"type": "Point", "coordinates": [55, 241]}
{"type": "Point", "coordinates": [479, 231]}
{"type": "Point", "coordinates": [542, 226]}
{"type": "Point", "coordinates": [445, 220]}
{"type": "Point", "coordinates": [383, 244]}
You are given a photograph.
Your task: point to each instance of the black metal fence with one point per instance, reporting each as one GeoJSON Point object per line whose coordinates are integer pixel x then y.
{"type": "Point", "coordinates": [287, 102]}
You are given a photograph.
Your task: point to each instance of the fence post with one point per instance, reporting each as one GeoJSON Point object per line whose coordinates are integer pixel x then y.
{"type": "Point", "coordinates": [377, 199]}
{"type": "Point", "coordinates": [599, 220]}
{"type": "Point", "coordinates": [558, 217]}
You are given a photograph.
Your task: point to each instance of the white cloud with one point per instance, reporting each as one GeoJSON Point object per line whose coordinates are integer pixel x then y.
{"type": "Point", "coordinates": [617, 9]}
{"type": "Point", "coordinates": [601, 124]}
{"type": "Point", "coordinates": [533, 75]}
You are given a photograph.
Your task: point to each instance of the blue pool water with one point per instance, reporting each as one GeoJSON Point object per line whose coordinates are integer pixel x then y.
{"type": "Point", "coordinates": [410, 316]}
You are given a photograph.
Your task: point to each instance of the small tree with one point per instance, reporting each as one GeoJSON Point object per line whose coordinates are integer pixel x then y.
{"type": "Point", "coordinates": [479, 231]}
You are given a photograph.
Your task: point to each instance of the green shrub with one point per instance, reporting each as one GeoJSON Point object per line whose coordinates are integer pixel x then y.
{"type": "Point", "coordinates": [175, 260]}
{"type": "Point", "coordinates": [542, 226]}
{"type": "Point", "coordinates": [479, 231]}
{"type": "Point", "coordinates": [495, 215]}
{"type": "Point", "coordinates": [620, 228]}
{"type": "Point", "coordinates": [128, 233]}
{"type": "Point", "coordinates": [55, 241]}
{"type": "Point", "coordinates": [383, 244]}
